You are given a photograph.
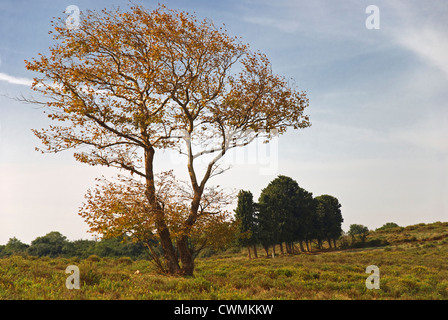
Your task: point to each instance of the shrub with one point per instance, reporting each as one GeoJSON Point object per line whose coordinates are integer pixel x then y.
{"type": "Point", "coordinates": [93, 258]}
{"type": "Point", "coordinates": [388, 225]}
{"type": "Point", "coordinates": [377, 243]}
{"type": "Point", "coordinates": [125, 260]}
{"type": "Point", "coordinates": [90, 277]}
{"type": "Point", "coordinates": [419, 270]}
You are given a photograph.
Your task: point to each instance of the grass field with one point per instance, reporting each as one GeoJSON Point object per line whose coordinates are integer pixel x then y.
{"type": "Point", "coordinates": [413, 266]}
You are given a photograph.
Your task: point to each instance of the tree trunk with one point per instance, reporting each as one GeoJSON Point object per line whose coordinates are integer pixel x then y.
{"type": "Point", "coordinates": [288, 247]}
{"type": "Point", "coordinates": [186, 256]}
{"type": "Point", "coordinates": [266, 248]}
{"type": "Point", "coordinates": [169, 253]}
{"type": "Point", "coordinates": [307, 246]}
{"type": "Point", "coordinates": [248, 252]}
{"type": "Point", "coordinates": [255, 251]}
{"type": "Point", "coordinates": [301, 246]}
{"type": "Point", "coordinates": [334, 242]}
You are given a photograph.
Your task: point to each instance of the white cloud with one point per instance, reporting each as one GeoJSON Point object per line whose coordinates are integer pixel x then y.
{"type": "Point", "coordinates": [285, 25]}
{"type": "Point", "coordinates": [430, 44]}
{"type": "Point", "coordinates": [15, 80]}
{"type": "Point", "coordinates": [420, 26]}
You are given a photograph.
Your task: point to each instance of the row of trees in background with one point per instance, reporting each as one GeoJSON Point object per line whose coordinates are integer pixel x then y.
{"type": "Point", "coordinates": [287, 214]}
{"type": "Point", "coordinates": [54, 244]}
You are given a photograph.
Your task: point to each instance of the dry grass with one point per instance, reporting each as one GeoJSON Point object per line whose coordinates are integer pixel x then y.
{"type": "Point", "coordinates": [409, 269]}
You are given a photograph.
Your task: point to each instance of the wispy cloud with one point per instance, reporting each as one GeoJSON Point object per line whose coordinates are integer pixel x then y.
{"type": "Point", "coordinates": [421, 28]}
{"type": "Point", "coordinates": [15, 80]}
{"type": "Point", "coordinates": [428, 43]}
{"type": "Point", "coordinates": [322, 18]}
{"type": "Point", "coordinates": [285, 25]}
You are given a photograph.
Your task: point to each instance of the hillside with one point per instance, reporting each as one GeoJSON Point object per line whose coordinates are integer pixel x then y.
{"type": "Point", "coordinates": [412, 266]}
{"type": "Point", "coordinates": [415, 235]}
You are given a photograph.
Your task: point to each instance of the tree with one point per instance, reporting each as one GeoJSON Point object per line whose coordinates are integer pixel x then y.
{"type": "Point", "coordinates": [245, 215]}
{"type": "Point", "coordinates": [303, 216]}
{"type": "Point", "coordinates": [79, 248]}
{"type": "Point", "coordinates": [358, 230]}
{"type": "Point", "coordinates": [279, 214]}
{"type": "Point", "coordinates": [53, 244]}
{"type": "Point", "coordinates": [329, 212]}
{"type": "Point", "coordinates": [286, 214]}
{"type": "Point", "coordinates": [14, 246]}
{"type": "Point", "coordinates": [119, 247]}
{"type": "Point", "coordinates": [126, 84]}
{"type": "Point", "coordinates": [388, 225]}
{"type": "Point", "coordinates": [267, 226]}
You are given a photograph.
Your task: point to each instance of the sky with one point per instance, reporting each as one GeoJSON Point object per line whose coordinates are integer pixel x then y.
{"type": "Point", "coordinates": [378, 107]}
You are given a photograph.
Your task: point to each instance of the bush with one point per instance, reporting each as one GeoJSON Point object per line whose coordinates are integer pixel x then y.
{"type": "Point", "coordinates": [287, 272]}
{"type": "Point", "coordinates": [377, 243]}
{"type": "Point", "coordinates": [206, 253]}
{"type": "Point", "coordinates": [13, 247]}
{"type": "Point", "coordinates": [93, 258]}
{"type": "Point", "coordinates": [125, 260]}
{"type": "Point", "coordinates": [90, 277]}
{"type": "Point", "coordinates": [388, 225]}
{"type": "Point", "coordinates": [344, 242]}
{"type": "Point", "coordinates": [358, 230]}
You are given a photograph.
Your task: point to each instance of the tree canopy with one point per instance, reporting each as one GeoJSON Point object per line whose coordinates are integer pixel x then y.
{"type": "Point", "coordinates": [388, 225]}
{"type": "Point", "coordinates": [52, 245]}
{"type": "Point", "coordinates": [358, 230]}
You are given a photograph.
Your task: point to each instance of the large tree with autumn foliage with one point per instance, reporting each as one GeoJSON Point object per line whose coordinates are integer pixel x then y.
{"type": "Point", "coordinates": [125, 84]}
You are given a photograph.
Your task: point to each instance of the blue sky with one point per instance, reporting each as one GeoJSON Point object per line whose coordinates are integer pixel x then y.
{"type": "Point", "coordinates": [378, 104]}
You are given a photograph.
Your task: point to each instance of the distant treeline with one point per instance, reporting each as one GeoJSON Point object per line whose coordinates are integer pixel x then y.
{"type": "Point", "coordinates": [54, 244]}
{"type": "Point", "coordinates": [287, 214]}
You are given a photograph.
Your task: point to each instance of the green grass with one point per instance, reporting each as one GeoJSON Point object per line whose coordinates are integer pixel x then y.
{"type": "Point", "coordinates": [414, 266]}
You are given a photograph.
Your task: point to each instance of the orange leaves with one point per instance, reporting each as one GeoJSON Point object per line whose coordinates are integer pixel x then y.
{"type": "Point", "coordinates": [113, 209]}
{"type": "Point", "coordinates": [121, 207]}
{"type": "Point", "coordinates": [145, 74]}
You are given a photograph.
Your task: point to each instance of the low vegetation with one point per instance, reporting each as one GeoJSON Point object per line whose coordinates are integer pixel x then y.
{"type": "Point", "coordinates": [412, 266]}
{"type": "Point", "coordinates": [55, 245]}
